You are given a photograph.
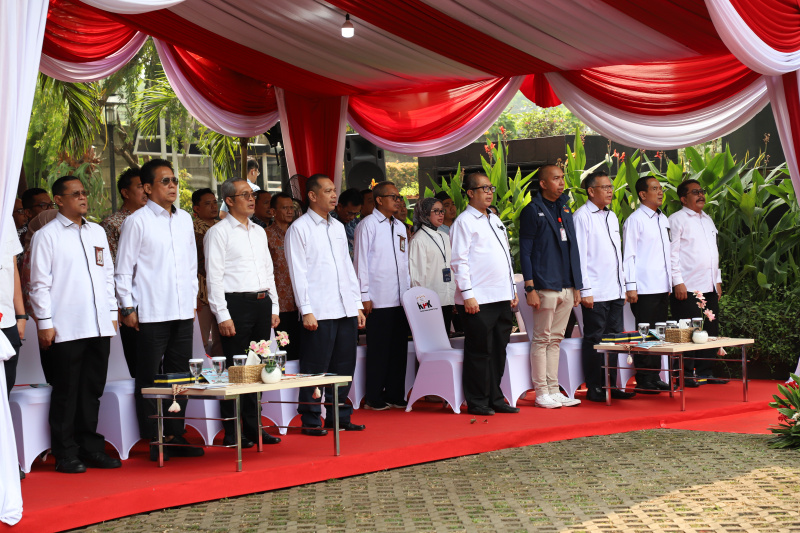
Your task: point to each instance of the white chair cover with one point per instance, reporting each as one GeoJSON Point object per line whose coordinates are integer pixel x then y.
{"type": "Point", "coordinates": [10, 491]}
{"type": "Point", "coordinates": [282, 414]}
{"type": "Point", "coordinates": [440, 366]}
{"type": "Point", "coordinates": [411, 367]}
{"type": "Point", "coordinates": [117, 420]}
{"type": "Point", "coordinates": [358, 387]}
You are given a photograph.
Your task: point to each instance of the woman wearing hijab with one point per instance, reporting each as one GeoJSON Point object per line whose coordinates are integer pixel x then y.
{"type": "Point", "coordinates": [429, 255]}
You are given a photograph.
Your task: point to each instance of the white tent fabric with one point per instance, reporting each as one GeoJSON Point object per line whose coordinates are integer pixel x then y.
{"type": "Point", "coordinates": [653, 132]}
{"type": "Point", "coordinates": [93, 70]}
{"type": "Point", "coordinates": [10, 492]}
{"type": "Point", "coordinates": [132, 7]}
{"type": "Point", "coordinates": [781, 113]}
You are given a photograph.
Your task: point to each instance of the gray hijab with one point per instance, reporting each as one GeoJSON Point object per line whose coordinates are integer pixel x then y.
{"type": "Point", "coordinates": [422, 213]}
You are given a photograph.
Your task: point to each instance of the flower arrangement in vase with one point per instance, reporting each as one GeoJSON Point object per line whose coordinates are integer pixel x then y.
{"type": "Point", "coordinates": [700, 336]}
{"type": "Point", "coordinates": [260, 353]}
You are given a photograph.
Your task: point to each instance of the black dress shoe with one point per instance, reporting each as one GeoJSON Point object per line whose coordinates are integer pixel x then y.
{"type": "Point", "coordinates": [348, 426]}
{"type": "Point", "coordinates": [230, 440]}
{"type": "Point", "coordinates": [72, 465]}
{"type": "Point", "coordinates": [99, 460]}
{"type": "Point", "coordinates": [716, 381]}
{"type": "Point", "coordinates": [480, 411]}
{"type": "Point", "coordinates": [314, 432]}
{"type": "Point", "coordinates": [662, 385]}
{"type": "Point", "coordinates": [622, 395]}
{"type": "Point", "coordinates": [689, 383]}
{"type": "Point", "coordinates": [266, 438]}
{"type": "Point", "coordinates": [647, 388]}
{"type": "Point", "coordinates": [184, 451]}
{"type": "Point", "coordinates": [595, 394]}
{"type": "Point", "coordinates": [376, 406]}
{"type": "Point", "coordinates": [505, 408]}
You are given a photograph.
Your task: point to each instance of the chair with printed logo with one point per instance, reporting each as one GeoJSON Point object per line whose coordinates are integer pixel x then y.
{"type": "Point", "coordinates": [203, 411]}
{"type": "Point", "coordinates": [440, 365]}
{"type": "Point", "coordinates": [117, 420]}
{"type": "Point", "coordinates": [358, 386]}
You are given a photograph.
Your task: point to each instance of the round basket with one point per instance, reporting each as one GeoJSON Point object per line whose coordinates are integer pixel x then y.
{"type": "Point", "coordinates": [245, 374]}
{"type": "Point", "coordinates": [679, 335]}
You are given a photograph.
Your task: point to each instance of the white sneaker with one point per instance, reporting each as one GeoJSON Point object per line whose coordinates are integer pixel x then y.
{"type": "Point", "coordinates": [546, 401]}
{"type": "Point", "coordinates": [564, 400]}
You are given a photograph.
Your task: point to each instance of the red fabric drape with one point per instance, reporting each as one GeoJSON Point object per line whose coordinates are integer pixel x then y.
{"type": "Point", "coordinates": [409, 115]}
{"type": "Point", "coordinates": [421, 24]}
{"type": "Point", "coordinates": [77, 33]}
{"type": "Point", "coordinates": [537, 89]}
{"type": "Point", "coordinates": [776, 22]}
{"type": "Point", "coordinates": [313, 129]}
{"type": "Point", "coordinates": [792, 95]}
{"type": "Point", "coordinates": [665, 88]}
{"type": "Point", "coordinates": [224, 87]}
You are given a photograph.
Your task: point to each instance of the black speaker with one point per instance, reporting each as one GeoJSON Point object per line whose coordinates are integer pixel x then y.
{"type": "Point", "coordinates": [363, 162]}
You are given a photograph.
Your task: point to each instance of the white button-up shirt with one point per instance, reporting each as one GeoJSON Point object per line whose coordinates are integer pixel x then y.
{"type": "Point", "coordinates": [157, 264]}
{"type": "Point", "coordinates": [323, 278]}
{"type": "Point", "coordinates": [647, 263]}
{"type": "Point", "coordinates": [381, 260]}
{"type": "Point", "coordinates": [695, 256]}
{"type": "Point", "coordinates": [8, 258]}
{"type": "Point", "coordinates": [481, 259]}
{"type": "Point", "coordinates": [72, 280]}
{"type": "Point", "coordinates": [429, 255]}
{"type": "Point", "coordinates": [237, 260]}
{"type": "Point", "coordinates": [600, 248]}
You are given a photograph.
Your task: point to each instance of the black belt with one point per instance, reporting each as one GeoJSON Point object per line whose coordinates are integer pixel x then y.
{"type": "Point", "coordinates": [248, 295]}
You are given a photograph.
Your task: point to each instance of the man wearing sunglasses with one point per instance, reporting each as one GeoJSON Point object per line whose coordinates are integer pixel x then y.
{"type": "Point", "coordinates": [156, 278]}
{"type": "Point", "coordinates": [695, 267]}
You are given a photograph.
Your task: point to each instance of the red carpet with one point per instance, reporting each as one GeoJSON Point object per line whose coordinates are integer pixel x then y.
{"type": "Point", "coordinates": [55, 502]}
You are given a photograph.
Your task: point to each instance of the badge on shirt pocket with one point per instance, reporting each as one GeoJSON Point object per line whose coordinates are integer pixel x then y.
{"type": "Point", "coordinates": [446, 277]}
{"type": "Point", "coordinates": [402, 243]}
{"type": "Point", "coordinates": [98, 255]}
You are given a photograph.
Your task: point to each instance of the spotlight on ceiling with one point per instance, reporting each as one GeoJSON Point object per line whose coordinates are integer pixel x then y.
{"type": "Point", "coordinates": [348, 30]}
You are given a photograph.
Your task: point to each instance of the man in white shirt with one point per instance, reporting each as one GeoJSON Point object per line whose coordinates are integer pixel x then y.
{"type": "Point", "coordinates": [381, 262]}
{"type": "Point", "coordinates": [241, 294]}
{"type": "Point", "coordinates": [603, 293]}
{"type": "Point", "coordinates": [485, 295]}
{"type": "Point", "coordinates": [648, 273]}
{"type": "Point", "coordinates": [72, 294]}
{"type": "Point", "coordinates": [156, 278]}
{"type": "Point", "coordinates": [695, 267]}
{"type": "Point", "coordinates": [252, 175]}
{"type": "Point", "coordinates": [316, 250]}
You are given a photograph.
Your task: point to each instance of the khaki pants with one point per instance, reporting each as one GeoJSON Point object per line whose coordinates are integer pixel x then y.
{"type": "Point", "coordinates": [209, 327]}
{"type": "Point", "coordinates": [549, 323]}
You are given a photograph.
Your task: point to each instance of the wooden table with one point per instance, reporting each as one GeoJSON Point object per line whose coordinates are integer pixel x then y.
{"type": "Point", "coordinates": [233, 391]}
{"type": "Point", "coordinates": [677, 351]}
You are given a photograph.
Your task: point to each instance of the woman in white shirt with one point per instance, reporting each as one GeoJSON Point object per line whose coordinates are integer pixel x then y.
{"type": "Point", "coordinates": [429, 255]}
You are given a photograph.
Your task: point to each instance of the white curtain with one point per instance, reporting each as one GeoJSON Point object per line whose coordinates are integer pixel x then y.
{"type": "Point", "coordinates": [93, 70]}
{"type": "Point", "coordinates": [131, 7]}
{"type": "Point", "coordinates": [208, 114]}
{"type": "Point", "coordinates": [456, 140]}
{"type": "Point", "coordinates": [662, 132]}
{"type": "Point", "coordinates": [780, 111]}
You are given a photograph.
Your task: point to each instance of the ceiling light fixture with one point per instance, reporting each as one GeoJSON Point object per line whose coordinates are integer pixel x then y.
{"type": "Point", "coordinates": [348, 30]}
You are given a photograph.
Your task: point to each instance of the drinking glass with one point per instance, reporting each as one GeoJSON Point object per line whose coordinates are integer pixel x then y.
{"type": "Point", "coordinates": [661, 329]}
{"type": "Point", "coordinates": [644, 329]}
{"type": "Point", "coordinates": [218, 364]}
{"type": "Point", "coordinates": [239, 360]}
{"type": "Point", "coordinates": [280, 359]}
{"type": "Point", "coordinates": [672, 324]}
{"type": "Point", "coordinates": [697, 323]}
{"type": "Point", "coordinates": [195, 367]}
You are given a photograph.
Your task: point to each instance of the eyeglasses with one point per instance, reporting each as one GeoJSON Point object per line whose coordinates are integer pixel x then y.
{"type": "Point", "coordinates": [437, 211]}
{"type": "Point", "coordinates": [603, 187]}
{"type": "Point", "coordinates": [246, 195]}
{"type": "Point", "coordinates": [394, 197]}
{"type": "Point", "coordinates": [44, 205]}
{"type": "Point", "coordinates": [486, 188]}
{"type": "Point", "coordinates": [698, 192]}
{"type": "Point", "coordinates": [76, 194]}
{"type": "Point", "coordinates": [167, 181]}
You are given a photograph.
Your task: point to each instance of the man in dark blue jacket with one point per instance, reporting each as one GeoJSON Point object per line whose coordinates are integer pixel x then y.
{"type": "Point", "coordinates": [552, 272]}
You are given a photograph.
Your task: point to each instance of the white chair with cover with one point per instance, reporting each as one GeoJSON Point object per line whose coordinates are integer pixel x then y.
{"type": "Point", "coordinates": [117, 420]}
{"type": "Point", "coordinates": [282, 414]}
{"type": "Point", "coordinates": [440, 365]}
{"type": "Point", "coordinates": [201, 411]}
{"type": "Point", "coordinates": [30, 407]}
{"type": "Point", "coordinates": [358, 387]}
{"type": "Point", "coordinates": [411, 368]}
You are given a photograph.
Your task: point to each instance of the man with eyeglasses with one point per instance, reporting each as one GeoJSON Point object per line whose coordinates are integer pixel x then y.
{"type": "Point", "coordinates": [647, 263]}
{"type": "Point", "coordinates": [551, 268]}
{"type": "Point", "coordinates": [72, 294]}
{"type": "Point", "coordinates": [695, 267]}
{"type": "Point", "coordinates": [252, 175]}
{"type": "Point", "coordinates": [485, 296]}
{"type": "Point", "coordinates": [283, 207]}
{"type": "Point", "coordinates": [156, 278]}
{"type": "Point", "coordinates": [603, 293]}
{"type": "Point", "coordinates": [20, 220]}
{"type": "Point", "coordinates": [242, 296]}
{"type": "Point", "coordinates": [381, 263]}
{"type": "Point", "coordinates": [347, 212]}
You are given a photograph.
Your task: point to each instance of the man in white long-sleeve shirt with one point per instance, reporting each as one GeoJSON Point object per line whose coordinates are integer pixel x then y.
{"type": "Point", "coordinates": [648, 272]}
{"type": "Point", "coordinates": [381, 262]}
{"type": "Point", "coordinates": [695, 267]}
{"type": "Point", "coordinates": [328, 297]}
{"type": "Point", "coordinates": [156, 278]}
{"type": "Point", "coordinates": [72, 294]}
{"type": "Point", "coordinates": [485, 296]}
{"type": "Point", "coordinates": [241, 294]}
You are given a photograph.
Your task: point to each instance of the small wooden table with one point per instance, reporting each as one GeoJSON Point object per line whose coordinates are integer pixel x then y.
{"type": "Point", "coordinates": [676, 351]}
{"type": "Point", "coordinates": [233, 391]}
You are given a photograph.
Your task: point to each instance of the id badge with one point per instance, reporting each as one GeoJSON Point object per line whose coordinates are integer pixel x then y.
{"type": "Point", "coordinates": [563, 234]}
{"type": "Point", "coordinates": [446, 275]}
{"type": "Point", "coordinates": [98, 255]}
{"type": "Point", "coordinates": [402, 244]}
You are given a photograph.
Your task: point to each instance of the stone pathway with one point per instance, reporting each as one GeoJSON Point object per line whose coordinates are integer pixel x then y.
{"type": "Point", "coordinates": [643, 481]}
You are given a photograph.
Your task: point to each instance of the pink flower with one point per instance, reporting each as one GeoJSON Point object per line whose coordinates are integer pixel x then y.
{"type": "Point", "coordinates": [253, 346]}
{"type": "Point", "coordinates": [282, 338]}
{"type": "Point", "coordinates": [710, 314]}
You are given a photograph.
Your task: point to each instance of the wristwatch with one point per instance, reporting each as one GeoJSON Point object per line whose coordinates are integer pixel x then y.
{"type": "Point", "coordinates": [529, 288]}
{"type": "Point", "coordinates": [126, 311]}
{"type": "Point", "coordinates": [22, 317]}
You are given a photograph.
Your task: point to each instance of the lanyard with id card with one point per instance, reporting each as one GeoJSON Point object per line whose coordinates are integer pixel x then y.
{"type": "Point", "coordinates": [562, 230]}
{"type": "Point", "coordinates": [446, 275]}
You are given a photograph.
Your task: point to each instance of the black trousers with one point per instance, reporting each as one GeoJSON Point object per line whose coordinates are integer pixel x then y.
{"type": "Point", "coordinates": [447, 314]}
{"type": "Point", "coordinates": [252, 319]}
{"type": "Point", "coordinates": [688, 309]}
{"type": "Point", "coordinates": [128, 338]}
{"type": "Point", "coordinates": [604, 317]}
{"type": "Point", "coordinates": [650, 308]}
{"type": "Point", "coordinates": [486, 335]}
{"type": "Point", "coordinates": [78, 376]}
{"type": "Point", "coordinates": [161, 347]}
{"type": "Point", "coordinates": [387, 353]}
{"type": "Point", "coordinates": [293, 326]}
{"type": "Point", "coordinates": [331, 348]}
{"type": "Point", "coordinates": [12, 334]}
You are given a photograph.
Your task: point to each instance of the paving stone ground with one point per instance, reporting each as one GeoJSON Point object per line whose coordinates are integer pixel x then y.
{"type": "Point", "coordinates": [643, 481]}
